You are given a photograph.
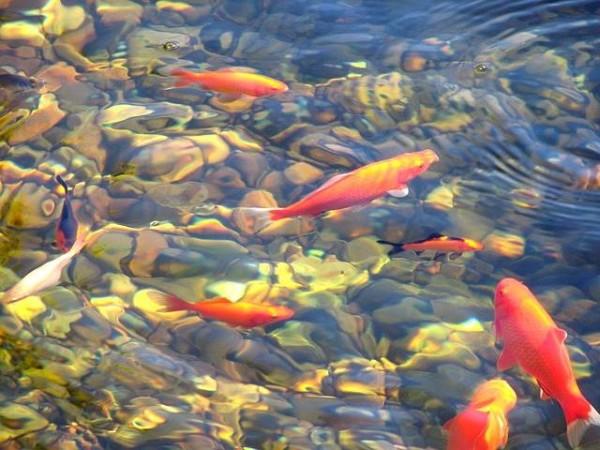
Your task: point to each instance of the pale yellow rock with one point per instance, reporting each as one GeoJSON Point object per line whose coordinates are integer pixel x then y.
{"type": "Point", "coordinates": [28, 308]}
{"type": "Point", "coordinates": [41, 120]}
{"type": "Point", "coordinates": [505, 244]}
{"type": "Point", "coordinates": [441, 198]}
{"type": "Point", "coordinates": [23, 31]}
{"type": "Point", "coordinates": [214, 148]}
{"type": "Point", "coordinates": [302, 173]}
{"type": "Point", "coordinates": [60, 18]}
{"type": "Point", "coordinates": [112, 11]}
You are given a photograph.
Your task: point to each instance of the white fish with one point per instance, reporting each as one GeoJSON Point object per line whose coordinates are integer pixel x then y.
{"type": "Point", "coordinates": [45, 276]}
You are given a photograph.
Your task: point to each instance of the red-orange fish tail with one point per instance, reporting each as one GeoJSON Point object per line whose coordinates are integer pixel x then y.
{"type": "Point", "coordinates": [184, 77]}
{"type": "Point", "coordinates": [170, 302]}
{"type": "Point", "coordinates": [579, 415]}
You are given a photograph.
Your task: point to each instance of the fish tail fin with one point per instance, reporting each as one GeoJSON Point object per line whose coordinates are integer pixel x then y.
{"type": "Point", "coordinates": [170, 302]}
{"type": "Point", "coordinates": [396, 246]}
{"type": "Point", "coordinates": [578, 424]}
{"type": "Point", "coordinates": [184, 77]}
{"type": "Point", "coordinates": [261, 217]}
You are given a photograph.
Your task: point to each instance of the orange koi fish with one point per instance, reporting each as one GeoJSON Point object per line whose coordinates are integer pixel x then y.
{"type": "Point", "coordinates": [362, 185]}
{"type": "Point", "coordinates": [533, 341]}
{"type": "Point", "coordinates": [66, 229]}
{"type": "Point", "coordinates": [231, 82]}
{"type": "Point", "coordinates": [45, 276]}
{"type": "Point", "coordinates": [437, 243]}
{"type": "Point", "coordinates": [237, 314]}
{"type": "Point", "coordinates": [483, 425]}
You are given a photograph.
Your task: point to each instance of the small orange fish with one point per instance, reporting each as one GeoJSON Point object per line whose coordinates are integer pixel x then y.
{"type": "Point", "coordinates": [437, 243]}
{"type": "Point", "coordinates": [231, 82]}
{"type": "Point", "coordinates": [237, 314]}
{"type": "Point", "coordinates": [533, 341]}
{"type": "Point", "coordinates": [362, 185]}
{"type": "Point", "coordinates": [483, 425]}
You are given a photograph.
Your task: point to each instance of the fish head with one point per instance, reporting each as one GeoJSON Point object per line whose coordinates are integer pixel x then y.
{"type": "Point", "coordinates": [271, 88]}
{"type": "Point", "coordinates": [277, 313]}
{"type": "Point", "coordinates": [496, 392]}
{"type": "Point", "coordinates": [508, 297]}
{"type": "Point", "coordinates": [411, 165]}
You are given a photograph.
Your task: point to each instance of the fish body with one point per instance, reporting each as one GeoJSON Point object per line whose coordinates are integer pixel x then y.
{"type": "Point", "coordinates": [483, 425]}
{"type": "Point", "coordinates": [231, 82]}
{"type": "Point", "coordinates": [66, 229]}
{"type": "Point", "coordinates": [534, 342]}
{"type": "Point", "coordinates": [45, 276]}
{"type": "Point", "coordinates": [237, 314]}
{"type": "Point", "coordinates": [438, 243]}
{"type": "Point", "coordinates": [361, 185]}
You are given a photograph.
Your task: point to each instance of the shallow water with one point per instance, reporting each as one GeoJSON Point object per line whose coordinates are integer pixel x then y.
{"type": "Point", "coordinates": [380, 352]}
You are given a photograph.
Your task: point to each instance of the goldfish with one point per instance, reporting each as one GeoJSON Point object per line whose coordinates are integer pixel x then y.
{"type": "Point", "coordinates": [237, 314]}
{"type": "Point", "coordinates": [230, 82]}
{"type": "Point", "coordinates": [438, 243]}
{"type": "Point", "coordinates": [535, 343]}
{"type": "Point", "coordinates": [483, 425]}
{"type": "Point", "coordinates": [45, 276]}
{"type": "Point", "coordinates": [66, 229]}
{"type": "Point", "coordinates": [357, 187]}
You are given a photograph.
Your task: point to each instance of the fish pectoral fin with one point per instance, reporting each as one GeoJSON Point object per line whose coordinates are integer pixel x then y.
{"type": "Point", "coordinates": [506, 360]}
{"type": "Point", "coordinates": [560, 335]}
{"type": "Point", "coordinates": [228, 98]}
{"type": "Point", "coordinates": [401, 192]}
{"type": "Point", "coordinates": [543, 394]}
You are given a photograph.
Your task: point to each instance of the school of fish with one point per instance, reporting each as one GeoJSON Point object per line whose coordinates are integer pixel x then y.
{"type": "Point", "coordinates": [531, 339]}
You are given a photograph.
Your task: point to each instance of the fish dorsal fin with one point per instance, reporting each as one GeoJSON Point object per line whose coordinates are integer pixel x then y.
{"type": "Point", "coordinates": [234, 69]}
{"type": "Point", "coordinates": [215, 301]}
{"type": "Point", "coordinates": [506, 360]}
{"type": "Point", "coordinates": [334, 179]}
{"type": "Point", "coordinates": [560, 335]}
{"type": "Point", "coordinates": [428, 238]}
{"type": "Point", "coordinates": [434, 236]}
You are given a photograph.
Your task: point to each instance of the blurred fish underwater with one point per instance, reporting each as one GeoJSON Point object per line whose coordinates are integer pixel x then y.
{"type": "Point", "coordinates": [195, 223]}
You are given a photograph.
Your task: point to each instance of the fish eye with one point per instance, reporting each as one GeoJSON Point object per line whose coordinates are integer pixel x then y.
{"type": "Point", "coordinates": [482, 68]}
{"type": "Point", "coordinates": [170, 45]}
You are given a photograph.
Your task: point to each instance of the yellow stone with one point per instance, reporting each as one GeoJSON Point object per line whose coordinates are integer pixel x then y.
{"type": "Point", "coordinates": [241, 141]}
{"type": "Point", "coordinates": [214, 149]}
{"type": "Point", "coordinates": [302, 173]}
{"type": "Point", "coordinates": [441, 198]}
{"type": "Point", "coordinates": [41, 120]}
{"type": "Point", "coordinates": [505, 244]}
{"type": "Point", "coordinates": [112, 11]}
{"type": "Point", "coordinates": [28, 308]}
{"type": "Point", "coordinates": [60, 18]}
{"type": "Point", "coordinates": [23, 31]}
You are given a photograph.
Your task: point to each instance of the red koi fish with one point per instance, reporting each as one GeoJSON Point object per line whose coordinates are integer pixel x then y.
{"type": "Point", "coordinates": [437, 243]}
{"type": "Point", "coordinates": [66, 229]}
{"type": "Point", "coordinates": [231, 82]}
{"type": "Point", "coordinates": [362, 185]}
{"type": "Point", "coordinates": [483, 425]}
{"type": "Point", "coordinates": [534, 342]}
{"type": "Point", "coordinates": [237, 314]}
